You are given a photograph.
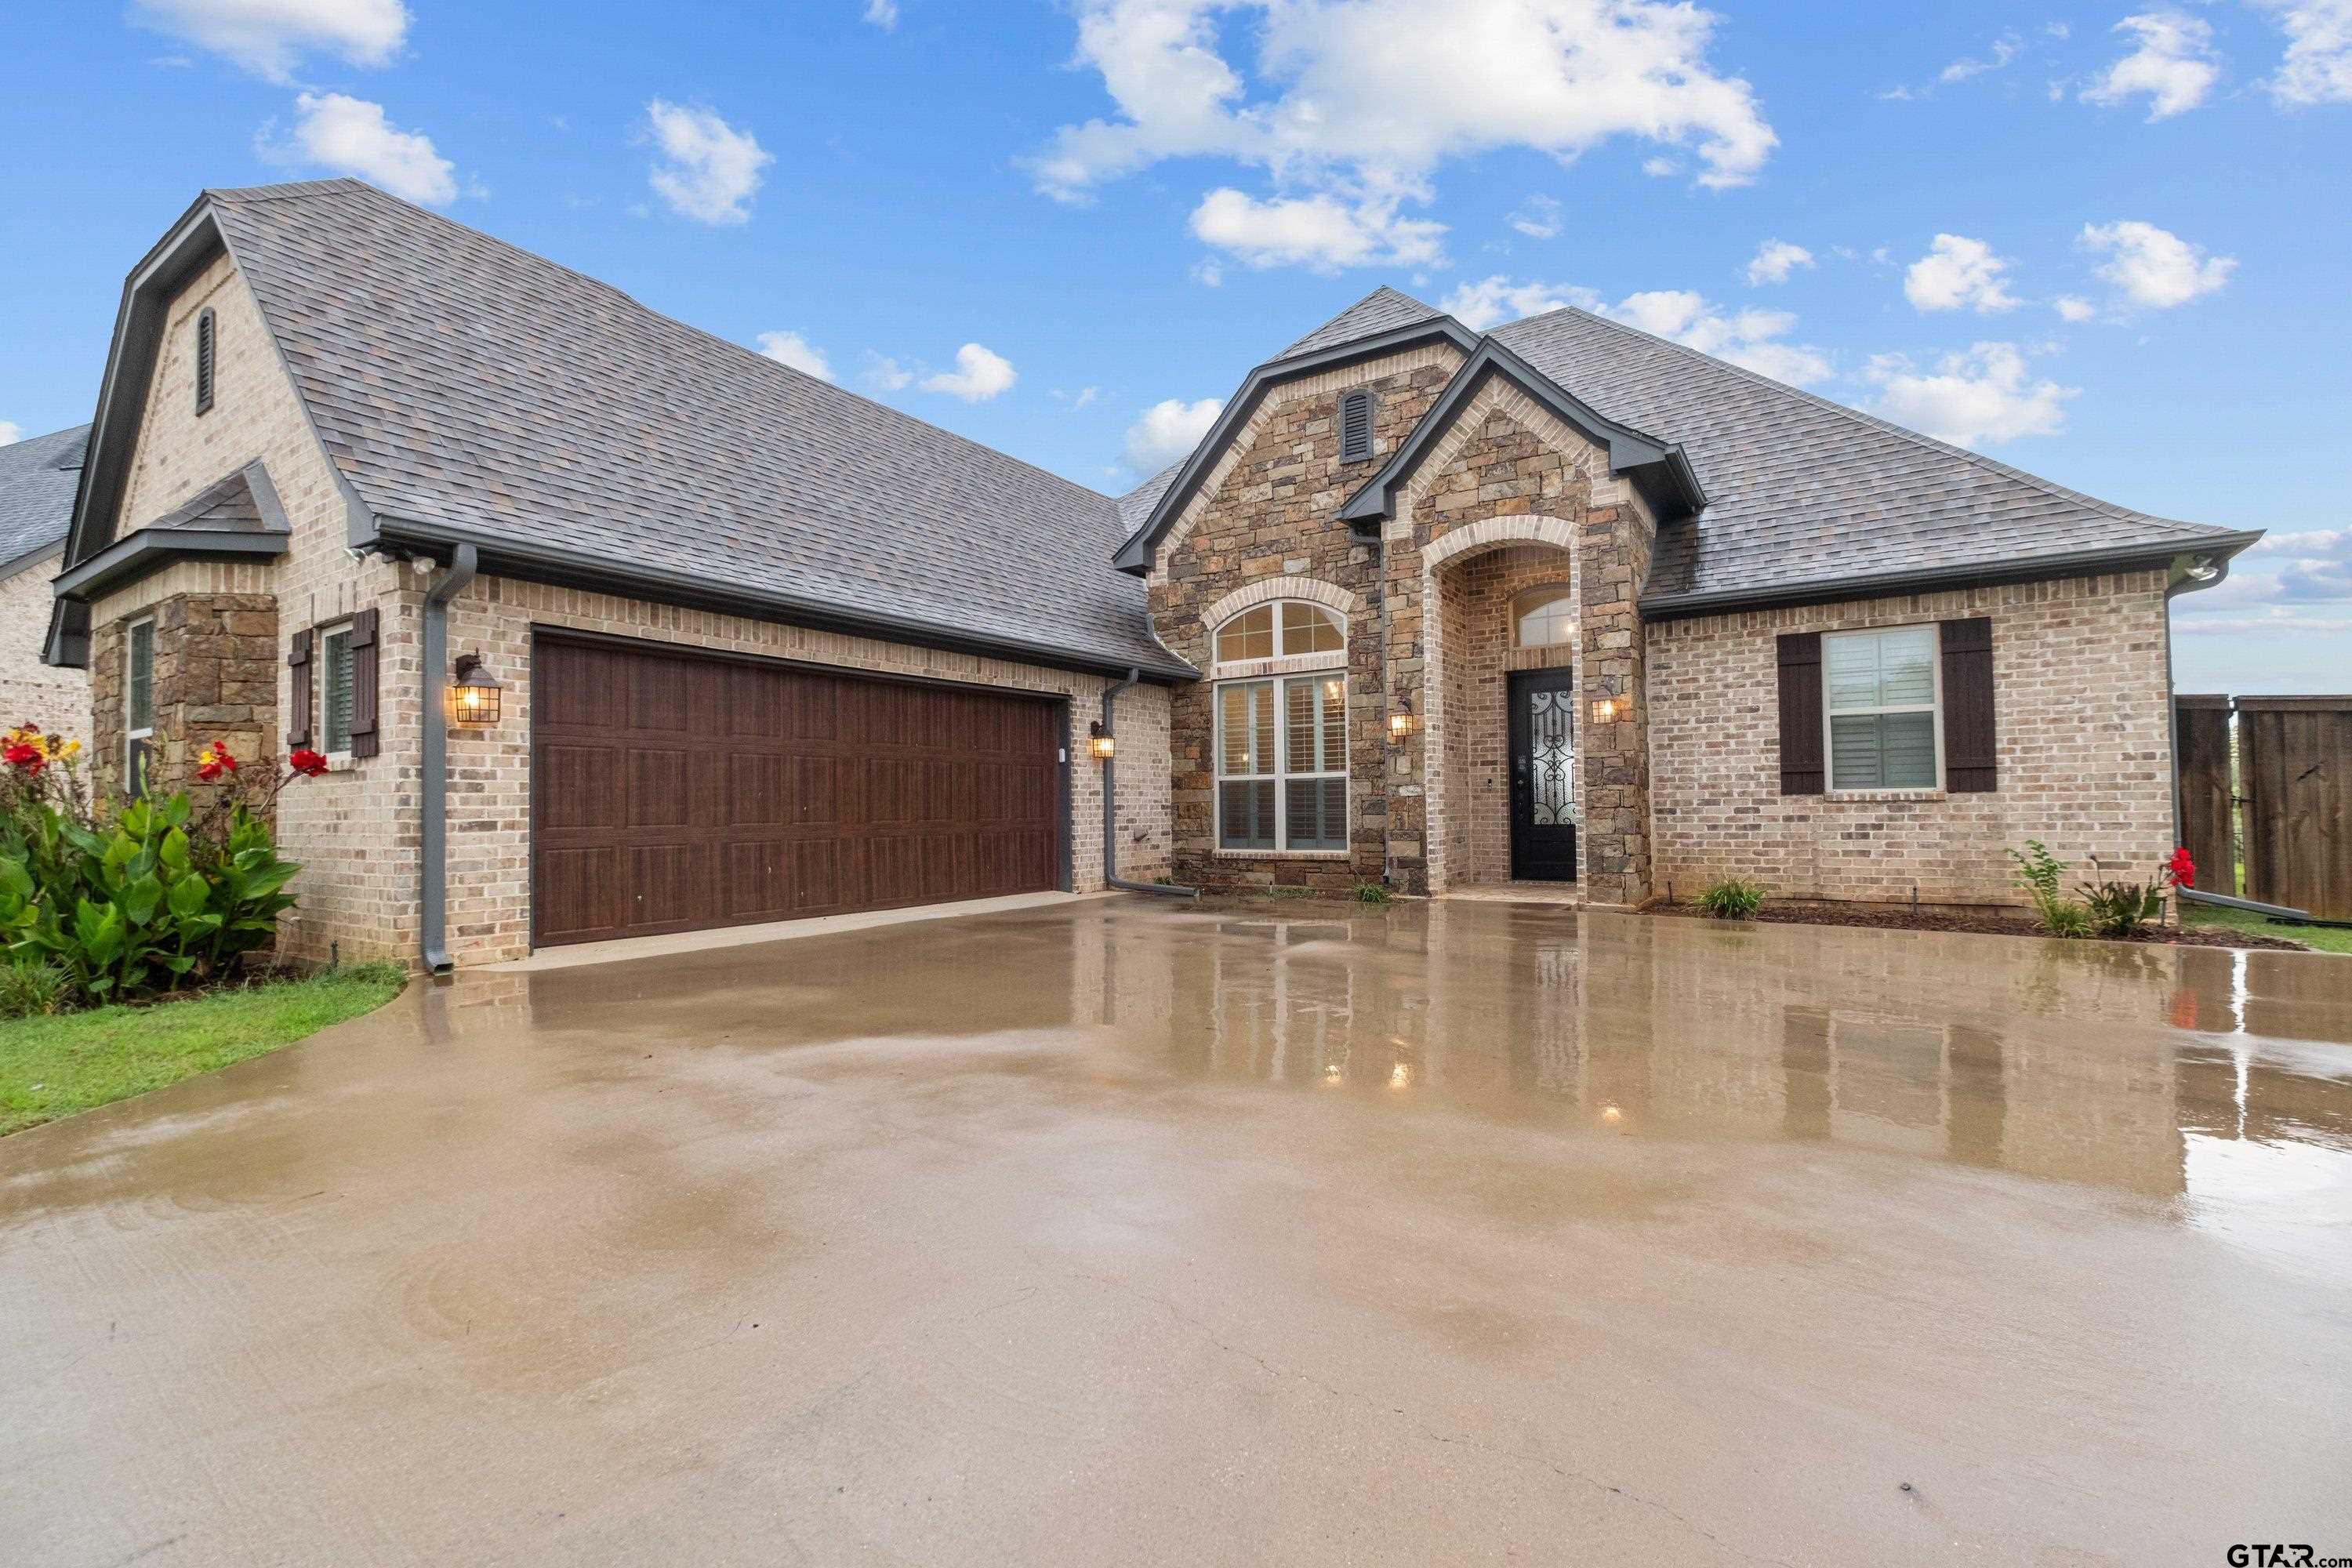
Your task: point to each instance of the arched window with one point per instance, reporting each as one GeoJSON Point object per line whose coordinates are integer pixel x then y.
{"type": "Point", "coordinates": [1543, 617]}
{"type": "Point", "coordinates": [1281, 630]}
{"type": "Point", "coordinates": [1281, 729]}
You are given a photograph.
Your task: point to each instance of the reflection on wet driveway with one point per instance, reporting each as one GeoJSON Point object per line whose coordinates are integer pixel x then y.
{"type": "Point", "coordinates": [1133, 1232]}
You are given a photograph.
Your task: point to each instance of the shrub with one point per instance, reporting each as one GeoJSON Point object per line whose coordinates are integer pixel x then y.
{"type": "Point", "coordinates": [33, 988]}
{"type": "Point", "coordinates": [2119, 909]}
{"type": "Point", "coordinates": [1372, 893]}
{"type": "Point", "coordinates": [154, 896]}
{"type": "Point", "coordinates": [1732, 899]}
{"type": "Point", "coordinates": [2040, 873]}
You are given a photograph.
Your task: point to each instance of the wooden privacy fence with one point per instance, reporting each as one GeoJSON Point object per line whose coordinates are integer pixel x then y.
{"type": "Point", "coordinates": [2267, 782]}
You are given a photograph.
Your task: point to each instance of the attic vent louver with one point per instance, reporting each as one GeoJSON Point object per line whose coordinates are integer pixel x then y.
{"type": "Point", "coordinates": [203, 361]}
{"type": "Point", "coordinates": [1355, 426]}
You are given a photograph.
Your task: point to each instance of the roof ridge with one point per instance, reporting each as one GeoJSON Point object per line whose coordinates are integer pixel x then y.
{"type": "Point", "coordinates": [2049, 487]}
{"type": "Point", "coordinates": [307, 189]}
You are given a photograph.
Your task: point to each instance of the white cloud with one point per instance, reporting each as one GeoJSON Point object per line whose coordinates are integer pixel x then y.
{"type": "Point", "coordinates": [1167, 431]}
{"type": "Point", "coordinates": [2319, 565]}
{"type": "Point", "coordinates": [1958, 273]}
{"type": "Point", "coordinates": [2074, 308]}
{"type": "Point", "coordinates": [1358, 103]}
{"type": "Point", "coordinates": [1981, 397]}
{"type": "Point", "coordinates": [710, 171]}
{"type": "Point", "coordinates": [884, 373]}
{"type": "Point", "coordinates": [352, 136]}
{"type": "Point", "coordinates": [1747, 338]}
{"type": "Point", "coordinates": [2155, 267]}
{"type": "Point", "coordinates": [1751, 338]}
{"type": "Point", "coordinates": [1319, 231]}
{"type": "Point", "coordinates": [2274, 620]}
{"type": "Point", "coordinates": [2318, 68]}
{"type": "Point", "coordinates": [1539, 218]}
{"type": "Point", "coordinates": [2173, 65]}
{"type": "Point", "coordinates": [792, 348]}
{"type": "Point", "coordinates": [10, 432]}
{"type": "Point", "coordinates": [1081, 398]}
{"type": "Point", "coordinates": [2005, 49]}
{"type": "Point", "coordinates": [1775, 259]}
{"type": "Point", "coordinates": [979, 375]}
{"type": "Point", "coordinates": [1661, 168]}
{"type": "Point", "coordinates": [269, 37]}
{"type": "Point", "coordinates": [1493, 300]}
{"type": "Point", "coordinates": [883, 14]}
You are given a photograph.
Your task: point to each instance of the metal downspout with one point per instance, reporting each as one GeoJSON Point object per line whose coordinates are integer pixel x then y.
{"type": "Point", "coordinates": [433, 890]}
{"type": "Point", "coordinates": [1111, 878]}
{"type": "Point", "coordinates": [2183, 581]}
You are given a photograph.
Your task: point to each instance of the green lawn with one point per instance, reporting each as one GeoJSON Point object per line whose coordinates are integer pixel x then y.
{"type": "Point", "coordinates": [2327, 938]}
{"type": "Point", "coordinates": [53, 1067]}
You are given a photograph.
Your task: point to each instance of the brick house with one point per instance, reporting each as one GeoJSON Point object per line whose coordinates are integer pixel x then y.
{"type": "Point", "coordinates": [37, 476]}
{"type": "Point", "coordinates": [1558, 602]}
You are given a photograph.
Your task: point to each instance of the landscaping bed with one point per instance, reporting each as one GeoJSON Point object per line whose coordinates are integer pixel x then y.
{"type": "Point", "coordinates": [1901, 916]}
{"type": "Point", "coordinates": [55, 1066]}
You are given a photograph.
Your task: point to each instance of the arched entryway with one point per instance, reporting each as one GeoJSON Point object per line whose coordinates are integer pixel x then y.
{"type": "Point", "coordinates": [1498, 696]}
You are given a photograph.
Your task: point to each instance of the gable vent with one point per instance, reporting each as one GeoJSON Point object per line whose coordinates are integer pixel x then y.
{"type": "Point", "coordinates": [1355, 426]}
{"type": "Point", "coordinates": [205, 357]}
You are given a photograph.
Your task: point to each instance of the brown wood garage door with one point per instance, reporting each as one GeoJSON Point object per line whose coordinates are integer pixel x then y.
{"type": "Point", "coordinates": [672, 791]}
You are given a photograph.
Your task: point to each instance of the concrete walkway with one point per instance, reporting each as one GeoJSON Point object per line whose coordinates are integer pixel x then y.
{"type": "Point", "coordinates": [1120, 1232]}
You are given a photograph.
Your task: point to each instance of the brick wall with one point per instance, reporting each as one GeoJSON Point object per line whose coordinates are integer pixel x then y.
{"type": "Point", "coordinates": [30, 691]}
{"type": "Point", "coordinates": [1477, 598]}
{"type": "Point", "coordinates": [2084, 730]}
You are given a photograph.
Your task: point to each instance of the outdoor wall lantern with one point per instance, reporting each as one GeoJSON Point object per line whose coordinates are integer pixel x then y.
{"type": "Point", "coordinates": [1099, 745]}
{"type": "Point", "coordinates": [1606, 708]}
{"type": "Point", "coordinates": [1403, 722]}
{"type": "Point", "coordinates": [473, 694]}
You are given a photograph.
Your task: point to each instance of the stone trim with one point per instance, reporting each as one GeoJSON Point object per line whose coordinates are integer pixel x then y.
{"type": "Point", "coordinates": [1266, 590]}
{"type": "Point", "coordinates": [1487, 533]}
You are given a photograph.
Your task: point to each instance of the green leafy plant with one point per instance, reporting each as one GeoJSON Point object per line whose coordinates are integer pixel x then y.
{"type": "Point", "coordinates": [2042, 874]}
{"type": "Point", "coordinates": [1732, 899]}
{"type": "Point", "coordinates": [153, 897]}
{"type": "Point", "coordinates": [2119, 909]}
{"type": "Point", "coordinates": [33, 988]}
{"type": "Point", "coordinates": [1369, 892]}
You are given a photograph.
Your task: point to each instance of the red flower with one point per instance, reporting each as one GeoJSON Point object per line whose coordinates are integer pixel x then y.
{"type": "Point", "coordinates": [26, 757]}
{"type": "Point", "coordinates": [213, 762]}
{"type": "Point", "coordinates": [307, 762]}
{"type": "Point", "coordinates": [2182, 870]}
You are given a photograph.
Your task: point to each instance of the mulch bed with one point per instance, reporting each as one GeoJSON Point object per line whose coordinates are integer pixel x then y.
{"type": "Point", "coordinates": [1899, 917]}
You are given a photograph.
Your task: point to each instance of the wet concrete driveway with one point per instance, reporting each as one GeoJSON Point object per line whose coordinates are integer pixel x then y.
{"type": "Point", "coordinates": [1125, 1232]}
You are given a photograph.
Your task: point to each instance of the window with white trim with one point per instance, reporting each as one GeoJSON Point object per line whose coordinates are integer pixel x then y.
{"type": "Point", "coordinates": [1882, 709]}
{"type": "Point", "coordinates": [335, 688]}
{"type": "Point", "coordinates": [1543, 617]}
{"type": "Point", "coordinates": [138, 700]}
{"type": "Point", "coordinates": [1282, 732]}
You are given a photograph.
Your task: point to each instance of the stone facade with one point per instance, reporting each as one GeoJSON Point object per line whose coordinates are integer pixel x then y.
{"type": "Point", "coordinates": [2082, 713]}
{"type": "Point", "coordinates": [30, 691]}
{"type": "Point", "coordinates": [216, 680]}
{"type": "Point", "coordinates": [1431, 633]}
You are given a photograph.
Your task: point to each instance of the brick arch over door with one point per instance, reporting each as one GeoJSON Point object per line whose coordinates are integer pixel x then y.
{"type": "Point", "coordinates": [1446, 801]}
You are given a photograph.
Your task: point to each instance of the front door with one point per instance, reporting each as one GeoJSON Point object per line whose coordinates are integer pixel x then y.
{"type": "Point", "coordinates": [1543, 776]}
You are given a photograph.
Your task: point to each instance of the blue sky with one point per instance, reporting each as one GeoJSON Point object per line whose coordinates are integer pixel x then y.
{"type": "Point", "coordinates": [2108, 245]}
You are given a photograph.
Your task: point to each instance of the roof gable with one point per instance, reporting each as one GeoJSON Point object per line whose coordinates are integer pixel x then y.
{"type": "Point", "coordinates": [38, 476]}
{"type": "Point", "coordinates": [1382, 311]}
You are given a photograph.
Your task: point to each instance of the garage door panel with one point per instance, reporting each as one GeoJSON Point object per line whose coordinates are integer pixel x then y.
{"type": "Point", "coordinates": [728, 791]}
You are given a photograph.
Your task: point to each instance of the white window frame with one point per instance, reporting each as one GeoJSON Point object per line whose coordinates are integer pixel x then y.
{"type": "Point", "coordinates": [1274, 672]}
{"type": "Point", "coordinates": [1934, 709]}
{"type": "Point", "coordinates": [336, 756]}
{"type": "Point", "coordinates": [1278, 685]}
{"type": "Point", "coordinates": [130, 731]}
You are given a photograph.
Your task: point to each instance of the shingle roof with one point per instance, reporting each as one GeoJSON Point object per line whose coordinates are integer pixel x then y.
{"type": "Point", "coordinates": [1384, 310]}
{"type": "Point", "coordinates": [37, 478]}
{"type": "Point", "coordinates": [1802, 490]}
{"type": "Point", "coordinates": [456, 380]}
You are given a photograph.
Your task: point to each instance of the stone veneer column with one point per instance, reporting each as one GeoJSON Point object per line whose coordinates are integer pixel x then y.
{"type": "Point", "coordinates": [1614, 548]}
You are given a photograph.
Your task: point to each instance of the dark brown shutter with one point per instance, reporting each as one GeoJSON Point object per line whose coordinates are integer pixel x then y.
{"type": "Point", "coordinates": [363, 681]}
{"type": "Point", "coordinates": [208, 355]}
{"type": "Point", "coordinates": [298, 686]}
{"type": "Point", "coordinates": [1970, 763]}
{"type": "Point", "coordinates": [1801, 713]}
{"type": "Point", "coordinates": [1355, 426]}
